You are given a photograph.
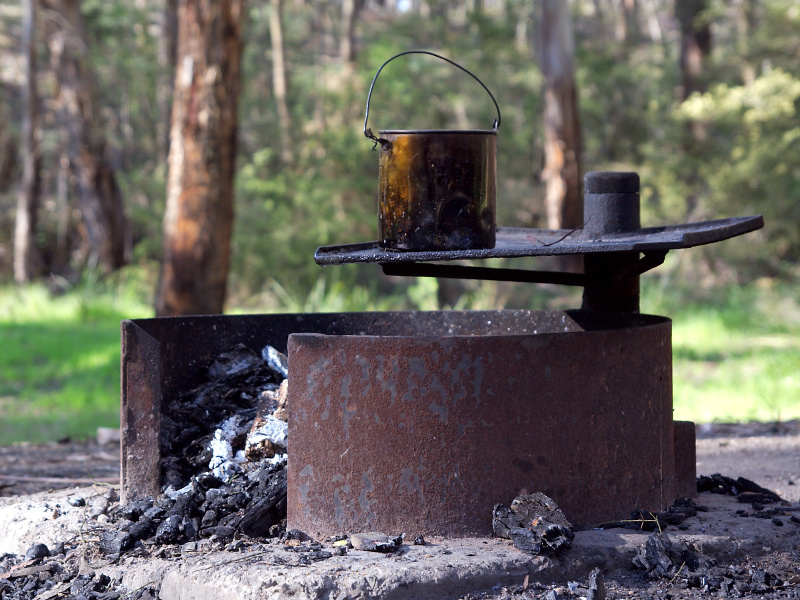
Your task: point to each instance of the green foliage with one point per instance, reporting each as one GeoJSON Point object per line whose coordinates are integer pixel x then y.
{"type": "Point", "coordinates": [753, 157]}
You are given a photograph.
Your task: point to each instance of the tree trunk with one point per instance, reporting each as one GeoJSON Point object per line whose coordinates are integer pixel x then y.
{"type": "Point", "coordinates": [562, 171]}
{"type": "Point", "coordinates": [695, 46]}
{"type": "Point", "coordinates": [695, 43]}
{"type": "Point", "coordinates": [8, 158]}
{"type": "Point", "coordinates": [199, 213]}
{"type": "Point", "coordinates": [653, 26]}
{"type": "Point", "coordinates": [347, 46]}
{"type": "Point", "coordinates": [99, 196]}
{"type": "Point", "coordinates": [746, 24]}
{"type": "Point", "coordinates": [26, 255]}
{"type": "Point", "coordinates": [279, 83]}
{"type": "Point", "coordinates": [168, 27]}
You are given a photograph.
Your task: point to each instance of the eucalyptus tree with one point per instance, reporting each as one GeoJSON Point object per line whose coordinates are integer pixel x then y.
{"type": "Point", "coordinates": [198, 221]}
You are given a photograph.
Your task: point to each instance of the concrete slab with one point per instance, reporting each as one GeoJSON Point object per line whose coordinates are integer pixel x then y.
{"type": "Point", "coordinates": [47, 518]}
{"type": "Point", "coordinates": [442, 568]}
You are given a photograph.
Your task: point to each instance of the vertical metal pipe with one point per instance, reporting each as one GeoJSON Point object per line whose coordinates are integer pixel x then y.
{"type": "Point", "coordinates": [611, 206]}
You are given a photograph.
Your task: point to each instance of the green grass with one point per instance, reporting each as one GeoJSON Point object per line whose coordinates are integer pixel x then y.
{"type": "Point", "coordinates": [736, 353]}
{"type": "Point", "coordinates": [60, 360]}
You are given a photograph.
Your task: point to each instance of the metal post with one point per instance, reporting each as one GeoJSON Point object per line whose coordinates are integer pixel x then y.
{"type": "Point", "coordinates": [610, 206]}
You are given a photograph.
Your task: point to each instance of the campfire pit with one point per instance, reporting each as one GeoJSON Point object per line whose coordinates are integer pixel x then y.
{"type": "Point", "coordinates": [420, 422]}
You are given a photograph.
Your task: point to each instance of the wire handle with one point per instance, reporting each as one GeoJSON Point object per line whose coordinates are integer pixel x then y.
{"type": "Point", "coordinates": [368, 132]}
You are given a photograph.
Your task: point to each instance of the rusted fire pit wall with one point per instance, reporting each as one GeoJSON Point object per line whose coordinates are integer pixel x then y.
{"type": "Point", "coordinates": [163, 357]}
{"type": "Point", "coordinates": [422, 424]}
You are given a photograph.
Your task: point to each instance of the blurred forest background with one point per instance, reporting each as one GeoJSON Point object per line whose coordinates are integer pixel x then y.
{"type": "Point", "coordinates": [701, 97]}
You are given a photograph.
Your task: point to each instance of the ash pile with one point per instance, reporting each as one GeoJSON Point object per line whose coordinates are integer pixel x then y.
{"type": "Point", "coordinates": [223, 461]}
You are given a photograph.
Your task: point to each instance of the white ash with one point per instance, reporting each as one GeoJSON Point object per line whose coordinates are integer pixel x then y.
{"type": "Point", "coordinates": [272, 429]}
{"type": "Point", "coordinates": [278, 459]}
{"type": "Point", "coordinates": [224, 461]}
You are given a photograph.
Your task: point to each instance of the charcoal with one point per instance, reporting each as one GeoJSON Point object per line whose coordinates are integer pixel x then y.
{"type": "Point", "coordinates": [221, 532]}
{"type": "Point", "coordinates": [215, 499]}
{"type": "Point", "coordinates": [154, 512]}
{"type": "Point", "coordinates": [209, 519]}
{"type": "Point", "coordinates": [268, 509]}
{"type": "Point", "coordinates": [169, 531]}
{"type": "Point", "coordinates": [237, 379]}
{"type": "Point", "coordinates": [757, 498]}
{"type": "Point", "coordinates": [234, 363]}
{"type": "Point", "coordinates": [125, 525]}
{"type": "Point", "coordinates": [143, 594]}
{"type": "Point", "coordinates": [276, 361]}
{"type": "Point", "coordinates": [763, 580]}
{"type": "Point", "coordinates": [525, 540]}
{"type": "Point", "coordinates": [296, 534]}
{"type": "Point", "coordinates": [745, 485]}
{"type": "Point", "coordinates": [656, 557]}
{"type": "Point", "coordinates": [549, 530]}
{"type": "Point", "coordinates": [191, 528]}
{"type": "Point", "coordinates": [503, 521]}
{"type": "Point", "coordinates": [554, 537]}
{"type": "Point", "coordinates": [597, 587]}
{"type": "Point", "coordinates": [133, 510]}
{"type": "Point", "coordinates": [208, 481]}
{"type": "Point", "coordinates": [660, 556]}
{"type": "Point", "coordinates": [262, 514]}
{"type": "Point", "coordinates": [114, 542]}
{"type": "Point", "coordinates": [204, 505]}
{"type": "Point", "coordinates": [237, 500]}
{"type": "Point", "coordinates": [80, 583]}
{"type": "Point", "coordinates": [676, 514]}
{"type": "Point", "coordinates": [141, 529]}
{"type": "Point", "coordinates": [532, 507]}
{"type": "Point", "coordinates": [184, 504]}
{"type": "Point", "coordinates": [720, 484]}
{"type": "Point", "coordinates": [37, 551]}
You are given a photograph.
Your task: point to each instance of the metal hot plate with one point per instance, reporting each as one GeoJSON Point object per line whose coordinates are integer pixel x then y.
{"type": "Point", "coordinates": [518, 242]}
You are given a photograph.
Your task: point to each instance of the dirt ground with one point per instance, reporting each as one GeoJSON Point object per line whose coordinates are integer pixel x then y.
{"type": "Point", "coordinates": [768, 454]}
{"type": "Point", "coordinates": [27, 469]}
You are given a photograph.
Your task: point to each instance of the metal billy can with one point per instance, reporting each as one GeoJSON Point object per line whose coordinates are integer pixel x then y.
{"type": "Point", "coordinates": [436, 187]}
